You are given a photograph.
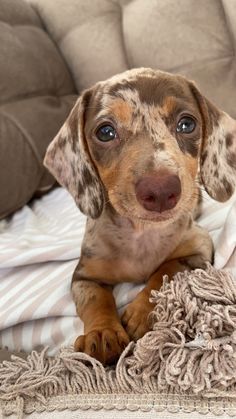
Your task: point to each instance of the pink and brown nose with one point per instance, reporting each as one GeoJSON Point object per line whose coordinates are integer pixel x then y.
{"type": "Point", "coordinates": [158, 193]}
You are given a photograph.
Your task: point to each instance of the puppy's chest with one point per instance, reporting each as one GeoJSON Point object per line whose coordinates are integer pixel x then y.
{"type": "Point", "coordinates": [142, 253]}
{"type": "Point", "coordinates": [135, 255]}
{"type": "Point", "coordinates": [143, 246]}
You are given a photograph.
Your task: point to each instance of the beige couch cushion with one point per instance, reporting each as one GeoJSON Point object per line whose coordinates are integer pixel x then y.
{"type": "Point", "coordinates": [36, 96]}
{"type": "Point", "coordinates": [195, 38]}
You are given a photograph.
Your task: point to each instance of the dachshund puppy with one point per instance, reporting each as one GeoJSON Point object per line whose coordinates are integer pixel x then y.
{"type": "Point", "coordinates": [132, 153]}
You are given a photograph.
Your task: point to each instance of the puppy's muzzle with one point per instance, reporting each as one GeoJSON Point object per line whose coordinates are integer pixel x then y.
{"type": "Point", "coordinates": [158, 192]}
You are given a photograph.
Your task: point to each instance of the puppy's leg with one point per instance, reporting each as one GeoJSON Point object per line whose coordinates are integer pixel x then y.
{"type": "Point", "coordinates": [104, 337]}
{"type": "Point", "coordinates": [194, 251]}
{"type": "Point", "coordinates": [135, 317]}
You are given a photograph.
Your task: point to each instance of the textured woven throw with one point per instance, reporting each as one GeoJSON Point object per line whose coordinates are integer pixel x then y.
{"type": "Point", "coordinates": [190, 351]}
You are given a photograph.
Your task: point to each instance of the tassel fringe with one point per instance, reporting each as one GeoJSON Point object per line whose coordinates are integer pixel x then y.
{"type": "Point", "coordinates": [191, 351]}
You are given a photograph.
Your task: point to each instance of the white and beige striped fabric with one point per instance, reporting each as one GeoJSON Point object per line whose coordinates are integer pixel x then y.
{"type": "Point", "coordinates": [39, 249]}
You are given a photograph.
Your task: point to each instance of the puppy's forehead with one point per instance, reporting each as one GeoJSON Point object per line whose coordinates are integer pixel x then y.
{"type": "Point", "coordinates": [152, 90]}
{"type": "Point", "coordinates": [123, 94]}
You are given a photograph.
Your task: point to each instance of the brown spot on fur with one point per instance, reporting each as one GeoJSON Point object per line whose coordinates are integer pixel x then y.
{"type": "Point", "coordinates": [160, 146]}
{"type": "Point", "coordinates": [231, 160]}
{"type": "Point", "coordinates": [222, 192]}
{"type": "Point", "coordinates": [95, 205]}
{"type": "Point", "coordinates": [87, 252]}
{"type": "Point", "coordinates": [228, 186]}
{"type": "Point", "coordinates": [63, 140]}
{"type": "Point", "coordinates": [214, 159]}
{"type": "Point", "coordinates": [80, 188]}
{"type": "Point", "coordinates": [87, 177]}
{"type": "Point", "coordinates": [229, 140]}
{"type": "Point", "coordinates": [198, 207]}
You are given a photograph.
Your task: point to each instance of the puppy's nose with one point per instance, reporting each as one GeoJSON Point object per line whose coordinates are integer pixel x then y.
{"type": "Point", "coordinates": [158, 193]}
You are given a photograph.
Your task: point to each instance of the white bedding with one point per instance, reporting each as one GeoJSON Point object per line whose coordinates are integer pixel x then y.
{"type": "Point", "coordinates": [39, 249]}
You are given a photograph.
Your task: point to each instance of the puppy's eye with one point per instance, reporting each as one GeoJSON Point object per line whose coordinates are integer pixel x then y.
{"type": "Point", "coordinates": [186, 125]}
{"type": "Point", "coordinates": [106, 133]}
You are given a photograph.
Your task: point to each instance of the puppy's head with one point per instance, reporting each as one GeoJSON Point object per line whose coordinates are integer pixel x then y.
{"type": "Point", "coordinates": [138, 141]}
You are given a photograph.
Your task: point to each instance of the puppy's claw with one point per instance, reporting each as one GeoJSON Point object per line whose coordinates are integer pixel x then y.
{"type": "Point", "coordinates": [105, 345]}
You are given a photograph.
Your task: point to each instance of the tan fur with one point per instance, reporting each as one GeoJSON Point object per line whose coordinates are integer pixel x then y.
{"type": "Point", "coordinates": [123, 240]}
{"type": "Point", "coordinates": [122, 111]}
{"type": "Point", "coordinates": [167, 106]}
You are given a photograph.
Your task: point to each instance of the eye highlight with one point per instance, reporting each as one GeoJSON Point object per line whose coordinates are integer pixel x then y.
{"type": "Point", "coordinates": [186, 125]}
{"type": "Point", "coordinates": [106, 133]}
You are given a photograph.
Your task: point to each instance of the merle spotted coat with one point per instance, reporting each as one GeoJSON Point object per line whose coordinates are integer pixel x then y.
{"type": "Point", "coordinates": [133, 153]}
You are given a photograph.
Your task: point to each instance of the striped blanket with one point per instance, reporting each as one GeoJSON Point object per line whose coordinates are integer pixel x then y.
{"type": "Point", "coordinates": [39, 249]}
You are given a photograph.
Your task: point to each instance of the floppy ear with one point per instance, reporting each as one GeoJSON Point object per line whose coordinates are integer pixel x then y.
{"type": "Point", "coordinates": [218, 150]}
{"type": "Point", "coordinates": [68, 159]}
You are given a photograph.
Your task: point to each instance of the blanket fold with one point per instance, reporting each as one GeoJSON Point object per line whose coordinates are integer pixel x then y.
{"type": "Point", "coordinates": [191, 350]}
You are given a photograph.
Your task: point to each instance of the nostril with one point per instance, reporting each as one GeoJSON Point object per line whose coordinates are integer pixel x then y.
{"type": "Point", "coordinates": [172, 199]}
{"type": "Point", "coordinates": [150, 201]}
{"type": "Point", "coordinates": [149, 198]}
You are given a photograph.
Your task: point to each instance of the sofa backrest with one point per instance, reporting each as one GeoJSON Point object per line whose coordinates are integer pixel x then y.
{"type": "Point", "coordinates": [99, 38]}
{"type": "Point", "coordinates": [36, 95]}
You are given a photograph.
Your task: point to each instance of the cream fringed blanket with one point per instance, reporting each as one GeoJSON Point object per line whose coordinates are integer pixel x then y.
{"type": "Point", "coordinates": [191, 352]}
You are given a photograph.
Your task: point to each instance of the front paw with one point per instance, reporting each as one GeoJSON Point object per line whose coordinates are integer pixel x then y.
{"type": "Point", "coordinates": [136, 318]}
{"type": "Point", "coordinates": [105, 345]}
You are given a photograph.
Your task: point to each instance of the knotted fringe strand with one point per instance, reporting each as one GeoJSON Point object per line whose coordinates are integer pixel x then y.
{"type": "Point", "coordinates": [191, 350]}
